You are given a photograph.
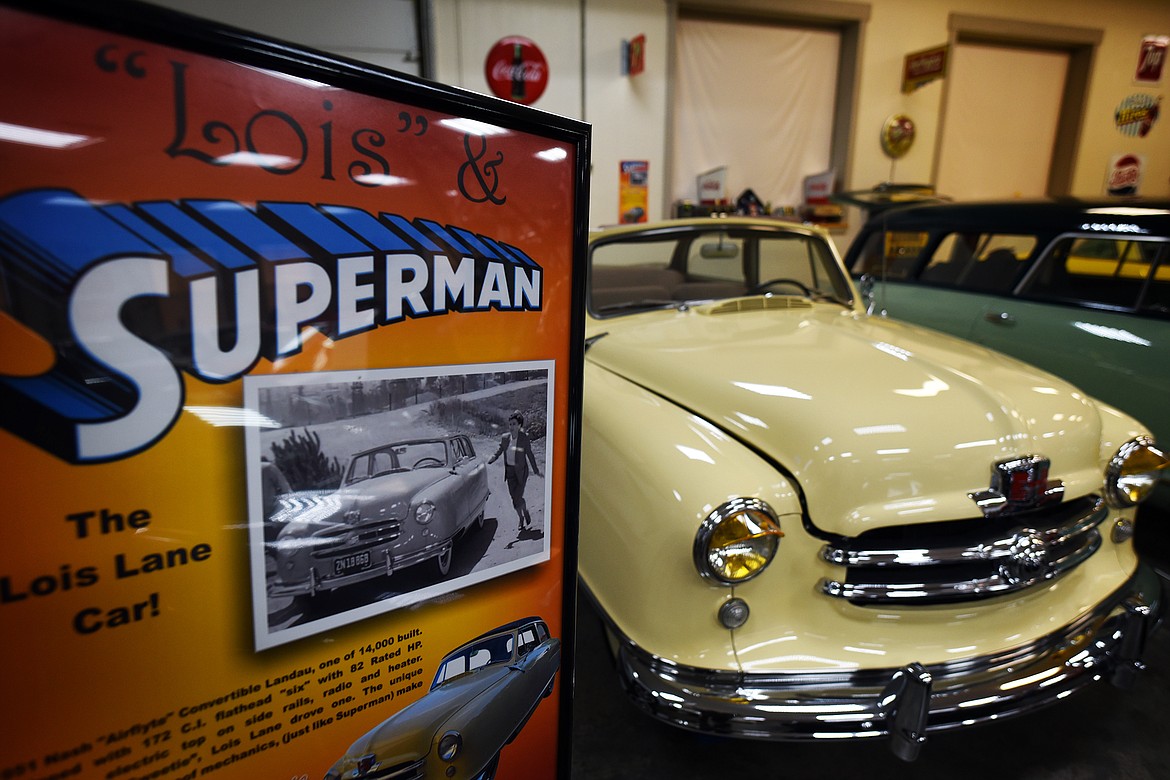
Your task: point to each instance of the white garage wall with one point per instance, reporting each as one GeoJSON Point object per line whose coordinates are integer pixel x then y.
{"type": "Point", "coordinates": [382, 32]}
{"type": "Point", "coordinates": [631, 117]}
{"type": "Point", "coordinates": [582, 40]}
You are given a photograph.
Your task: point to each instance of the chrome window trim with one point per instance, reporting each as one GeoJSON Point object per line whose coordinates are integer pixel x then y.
{"type": "Point", "coordinates": [1041, 256]}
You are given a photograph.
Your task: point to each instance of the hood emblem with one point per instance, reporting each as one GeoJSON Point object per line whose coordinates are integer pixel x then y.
{"type": "Point", "coordinates": [366, 764]}
{"type": "Point", "coordinates": [1017, 485]}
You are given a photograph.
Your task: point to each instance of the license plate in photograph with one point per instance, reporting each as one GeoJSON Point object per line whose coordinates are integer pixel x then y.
{"type": "Point", "coordinates": [351, 563]}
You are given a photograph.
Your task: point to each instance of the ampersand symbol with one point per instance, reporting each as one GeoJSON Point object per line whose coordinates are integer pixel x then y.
{"type": "Point", "coordinates": [486, 176]}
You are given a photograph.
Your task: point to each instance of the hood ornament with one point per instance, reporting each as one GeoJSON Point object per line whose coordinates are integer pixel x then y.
{"type": "Point", "coordinates": [1017, 485]}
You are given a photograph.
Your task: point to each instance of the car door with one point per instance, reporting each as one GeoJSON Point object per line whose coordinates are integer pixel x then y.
{"type": "Point", "coordinates": [950, 287]}
{"type": "Point", "coordinates": [468, 480]}
{"type": "Point", "coordinates": [1077, 315]}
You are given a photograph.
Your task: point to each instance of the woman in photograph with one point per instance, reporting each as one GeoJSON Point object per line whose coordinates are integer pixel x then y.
{"type": "Point", "coordinates": [517, 452]}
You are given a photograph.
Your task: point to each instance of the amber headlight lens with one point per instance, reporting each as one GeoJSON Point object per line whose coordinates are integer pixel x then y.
{"type": "Point", "coordinates": [1134, 471]}
{"type": "Point", "coordinates": [737, 541]}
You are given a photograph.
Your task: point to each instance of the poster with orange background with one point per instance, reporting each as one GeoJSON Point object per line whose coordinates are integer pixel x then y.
{"type": "Point", "coordinates": [288, 383]}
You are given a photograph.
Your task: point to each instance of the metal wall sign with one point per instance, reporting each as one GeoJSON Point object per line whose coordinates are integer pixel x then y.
{"type": "Point", "coordinates": [289, 399]}
{"type": "Point", "coordinates": [922, 67]}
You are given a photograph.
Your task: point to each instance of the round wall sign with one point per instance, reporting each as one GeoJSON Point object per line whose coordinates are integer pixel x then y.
{"type": "Point", "coordinates": [516, 70]}
{"type": "Point", "coordinates": [897, 135]}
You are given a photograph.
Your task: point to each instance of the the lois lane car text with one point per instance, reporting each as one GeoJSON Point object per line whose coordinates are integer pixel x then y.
{"type": "Point", "coordinates": [483, 694]}
{"type": "Point", "coordinates": [1080, 288]}
{"type": "Point", "coordinates": [398, 505]}
{"type": "Point", "coordinates": [799, 521]}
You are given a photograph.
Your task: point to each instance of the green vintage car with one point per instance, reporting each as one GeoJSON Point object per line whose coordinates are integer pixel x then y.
{"type": "Point", "coordinates": [1079, 288]}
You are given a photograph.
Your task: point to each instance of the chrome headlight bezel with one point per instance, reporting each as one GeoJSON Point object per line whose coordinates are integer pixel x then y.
{"type": "Point", "coordinates": [424, 513]}
{"type": "Point", "coordinates": [741, 521]}
{"type": "Point", "coordinates": [1133, 471]}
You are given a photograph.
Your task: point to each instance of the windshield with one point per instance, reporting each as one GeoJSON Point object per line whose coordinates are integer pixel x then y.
{"type": "Point", "coordinates": [666, 268]}
{"type": "Point", "coordinates": [397, 458]}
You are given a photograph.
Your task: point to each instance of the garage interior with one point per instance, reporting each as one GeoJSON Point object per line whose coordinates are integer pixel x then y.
{"type": "Point", "coordinates": [778, 96]}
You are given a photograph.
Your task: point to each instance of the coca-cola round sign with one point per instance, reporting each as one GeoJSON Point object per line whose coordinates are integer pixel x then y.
{"type": "Point", "coordinates": [516, 69]}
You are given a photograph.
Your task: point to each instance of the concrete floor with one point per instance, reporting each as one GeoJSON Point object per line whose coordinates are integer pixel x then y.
{"type": "Point", "coordinates": [1100, 733]}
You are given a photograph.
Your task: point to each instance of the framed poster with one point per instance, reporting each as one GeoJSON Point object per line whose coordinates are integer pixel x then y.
{"type": "Point", "coordinates": [289, 399]}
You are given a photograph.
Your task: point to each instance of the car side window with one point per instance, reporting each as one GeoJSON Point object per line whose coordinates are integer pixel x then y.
{"type": "Point", "coordinates": [527, 641]}
{"type": "Point", "coordinates": [1109, 271]}
{"type": "Point", "coordinates": [1157, 297]}
{"type": "Point", "coordinates": [980, 262]}
{"type": "Point", "coordinates": [891, 254]}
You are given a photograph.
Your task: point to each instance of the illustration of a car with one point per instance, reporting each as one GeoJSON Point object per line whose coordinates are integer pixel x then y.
{"type": "Point", "coordinates": [398, 505]}
{"type": "Point", "coordinates": [800, 522]}
{"type": "Point", "coordinates": [482, 695]}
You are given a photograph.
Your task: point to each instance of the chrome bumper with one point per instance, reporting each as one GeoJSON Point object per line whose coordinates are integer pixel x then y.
{"type": "Point", "coordinates": [902, 704]}
{"type": "Point", "coordinates": [316, 582]}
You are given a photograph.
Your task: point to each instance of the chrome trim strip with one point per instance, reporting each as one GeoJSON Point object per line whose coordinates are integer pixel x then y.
{"type": "Point", "coordinates": [1009, 577]}
{"type": "Point", "coordinates": [1105, 643]}
{"type": "Point", "coordinates": [992, 550]}
{"type": "Point", "coordinates": [1017, 559]}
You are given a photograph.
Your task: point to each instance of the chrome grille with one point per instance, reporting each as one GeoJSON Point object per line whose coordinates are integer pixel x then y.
{"type": "Point", "coordinates": [964, 559]}
{"type": "Point", "coordinates": [364, 537]}
{"type": "Point", "coordinates": [413, 770]}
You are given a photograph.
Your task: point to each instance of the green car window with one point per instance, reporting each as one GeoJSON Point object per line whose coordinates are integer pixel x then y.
{"type": "Point", "coordinates": [1109, 271]}
{"type": "Point", "coordinates": [981, 262]}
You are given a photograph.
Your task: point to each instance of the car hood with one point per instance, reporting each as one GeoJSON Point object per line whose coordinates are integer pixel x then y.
{"type": "Point", "coordinates": [408, 735]}
{"type": "Point", "coordinates": [881, 423]}
{"type": "Point", "coordinates": [392, 491]}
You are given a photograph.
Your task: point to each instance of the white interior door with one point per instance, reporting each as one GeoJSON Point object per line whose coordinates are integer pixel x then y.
{"type": "Point", "coordinates": [1000, 121]}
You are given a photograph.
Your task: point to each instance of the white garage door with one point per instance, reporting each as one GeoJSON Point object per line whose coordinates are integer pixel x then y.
{"type": "Point", "coordinates": [757, 98]}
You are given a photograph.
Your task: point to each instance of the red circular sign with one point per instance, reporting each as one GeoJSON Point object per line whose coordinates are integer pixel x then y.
{"type": "Point", "coordinates": [516, 70]}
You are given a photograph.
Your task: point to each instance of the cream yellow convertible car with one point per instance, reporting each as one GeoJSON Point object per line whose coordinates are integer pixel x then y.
{"type": "Point", "coordinates": [802, 522]}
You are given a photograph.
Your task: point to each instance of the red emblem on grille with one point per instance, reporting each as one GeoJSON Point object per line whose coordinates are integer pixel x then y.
{"type": "Point", "coordinates": [1018, 485]}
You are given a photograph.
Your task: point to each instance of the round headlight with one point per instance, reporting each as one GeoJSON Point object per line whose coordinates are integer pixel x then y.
{"type": "Point", "coordinates": [737, 541]}
{"type": "Point", "coordinates": [449, 745]}
{"type": "Point", "coordinates": [424, 512]}
{"type": "Point", "coordinates": [1134, 471]}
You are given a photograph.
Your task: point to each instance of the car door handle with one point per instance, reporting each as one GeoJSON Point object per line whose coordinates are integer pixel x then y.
{"type": "Point", "coordinates": [999, 318]}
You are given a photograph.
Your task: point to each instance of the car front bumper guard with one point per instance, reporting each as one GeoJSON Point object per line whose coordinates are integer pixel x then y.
{"type": "Point", "coordinates": [316, 582]}
{"type": "Point", "coordinates": [902, 704]}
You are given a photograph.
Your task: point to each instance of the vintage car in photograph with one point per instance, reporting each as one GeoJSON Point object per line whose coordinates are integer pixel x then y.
{"type": "Point", "coordinates": [482, 695]}
{"type": "Point", "coordinates": [1080, 288]}
{"type": "Point", "coordinates": [800, 521]}
{"type": "Point", "coordinates": [398, 505]}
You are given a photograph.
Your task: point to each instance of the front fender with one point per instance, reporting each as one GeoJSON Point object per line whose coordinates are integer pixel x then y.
{"type": "Point", "coordinates": [651, 472]}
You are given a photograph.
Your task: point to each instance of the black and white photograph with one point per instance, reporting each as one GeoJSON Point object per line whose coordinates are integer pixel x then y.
{"type": "Point", "coordinates": [372, 490]}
